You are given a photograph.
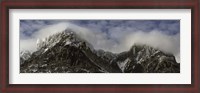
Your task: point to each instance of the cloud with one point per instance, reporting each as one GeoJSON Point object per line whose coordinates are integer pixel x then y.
{"type": "Point", "coordinates": [29, 27]}
{"type": "Point", "coordinates": [156, 39]}
{"type": "Point", "coordinates": [29, 43]}
{"type": "Point", "coordinates": [113, 36]}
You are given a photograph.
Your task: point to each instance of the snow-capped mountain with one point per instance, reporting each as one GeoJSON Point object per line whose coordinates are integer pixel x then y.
{"type": "Point", "coordinates": [67, 37]}
{"type": "Point", "coordinates": [66, 52]}
{"type": "Point", "coordinates": [145, 59]}
{"type": "Point", "coordinates": [24, 55]}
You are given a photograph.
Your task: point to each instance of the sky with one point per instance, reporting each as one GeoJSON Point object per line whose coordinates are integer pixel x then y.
{"type": "Point", "coordinates": [110, 35]}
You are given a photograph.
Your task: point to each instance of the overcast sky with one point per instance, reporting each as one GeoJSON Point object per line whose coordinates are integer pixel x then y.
{"type": "Point", "coordinates": [111, 35]}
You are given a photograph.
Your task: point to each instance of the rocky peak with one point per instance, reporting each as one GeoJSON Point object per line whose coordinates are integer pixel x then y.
{"type": "Point", "coordinates": [66, 36]}
{"type": "Point", "coordinates": [24, 55]}
{"type": "Point", "coordinates": [146, 59]}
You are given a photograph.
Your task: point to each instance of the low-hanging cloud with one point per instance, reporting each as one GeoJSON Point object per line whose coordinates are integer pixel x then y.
{"type": "Point", "coordinates": [114, 40]}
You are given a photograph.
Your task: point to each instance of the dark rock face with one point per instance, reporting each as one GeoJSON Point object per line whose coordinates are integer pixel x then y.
{"type": "Point", "coordinates": [65, 52]}
{"type": "Point", "coordinates": [145, 59]}
{"type": "Point", "coordinates": [60, 60]}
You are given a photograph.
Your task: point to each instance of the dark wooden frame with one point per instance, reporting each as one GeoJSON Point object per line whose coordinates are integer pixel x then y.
{"type": "Point", "coordinates": [103, 4]}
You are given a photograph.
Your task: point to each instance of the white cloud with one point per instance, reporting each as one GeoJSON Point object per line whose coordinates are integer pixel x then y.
{"type": "Point", "coordinates": [116, 41]}
{"type": "Point", "coordinates": [28, 44]}
{"type": "Point", "coordinates": [156, 39]}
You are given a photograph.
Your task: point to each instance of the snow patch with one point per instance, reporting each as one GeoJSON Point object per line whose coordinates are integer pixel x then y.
{"type": "Point", "coordinates": [68, 42]}
{"type": "Point", "coordinates": [25, 55]}
{"type": "Point", "coordinates": [122, 64]}
{"type": "Point", "coordinates": [45, 50]}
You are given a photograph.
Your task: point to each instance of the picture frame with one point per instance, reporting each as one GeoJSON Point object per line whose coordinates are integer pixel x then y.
{"type": "Point", "coordinates": [90, 88]}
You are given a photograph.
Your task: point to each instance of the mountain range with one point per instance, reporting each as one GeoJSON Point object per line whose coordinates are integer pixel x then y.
{"type": "Point", "coordinates": [66, 52]}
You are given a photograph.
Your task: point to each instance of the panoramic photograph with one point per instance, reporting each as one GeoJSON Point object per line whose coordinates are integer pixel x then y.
{"type": "Point", "coordinates": [99, 46]}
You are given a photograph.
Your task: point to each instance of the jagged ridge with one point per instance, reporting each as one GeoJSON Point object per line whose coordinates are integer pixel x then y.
{"type": "Point", "coordinates": [66, 52]}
